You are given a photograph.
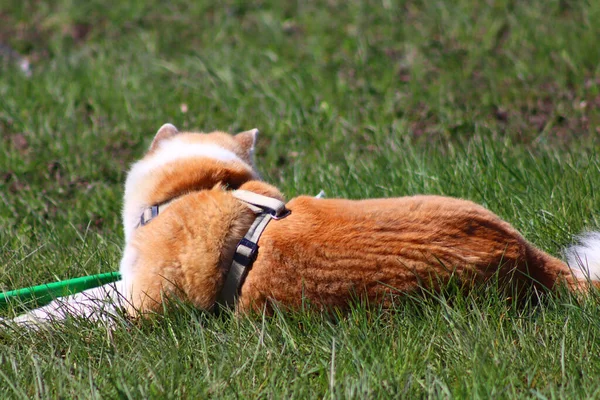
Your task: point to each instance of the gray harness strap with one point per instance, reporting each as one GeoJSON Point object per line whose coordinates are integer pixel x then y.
{"type": "Point", "coordinates": [266, 208]}
{"type": "Point", "coordinates": [259, 203]}
{"type": "Point", "coordinates": [244, 256]}
{"type": "Point", "coordinates": [256, 202]}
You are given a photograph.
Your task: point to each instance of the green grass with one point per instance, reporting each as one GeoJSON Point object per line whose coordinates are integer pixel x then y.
{"type": "Point", "coordinates": [496, 101]}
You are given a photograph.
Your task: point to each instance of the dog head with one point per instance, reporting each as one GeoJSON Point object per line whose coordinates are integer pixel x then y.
{"type": "Point", "coordinates": [182, 162]}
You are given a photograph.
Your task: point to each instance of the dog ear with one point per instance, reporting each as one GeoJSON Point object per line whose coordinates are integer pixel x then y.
{"type": "Point", "coordinates": [247, 140]}
{"type": "Point", "coordinates": [166, 131]}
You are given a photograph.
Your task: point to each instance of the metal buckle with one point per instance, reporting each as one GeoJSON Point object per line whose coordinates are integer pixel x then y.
{"type": "Point", "coordinates": [243, 259]}
{"type": "Point", "coordinates": [153, 214]}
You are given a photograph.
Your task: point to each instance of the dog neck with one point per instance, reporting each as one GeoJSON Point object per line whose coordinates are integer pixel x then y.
{"type": "Point", "coordinates": [265, 209]}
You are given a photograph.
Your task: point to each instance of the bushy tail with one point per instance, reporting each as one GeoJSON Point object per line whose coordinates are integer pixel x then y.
{"type": "Point", "coordinates": [584, 257]}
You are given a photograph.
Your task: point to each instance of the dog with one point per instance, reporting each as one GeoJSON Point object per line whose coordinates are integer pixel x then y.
{"type": "Point", "coordinates": [201, 226]}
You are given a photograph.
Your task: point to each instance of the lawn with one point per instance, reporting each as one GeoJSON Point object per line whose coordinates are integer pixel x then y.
{"type": "Point", "coordinates": [497, 102]}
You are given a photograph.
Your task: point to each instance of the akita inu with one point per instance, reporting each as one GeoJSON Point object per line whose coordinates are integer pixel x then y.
{"type": "Point", "coordinates": [201, 226]}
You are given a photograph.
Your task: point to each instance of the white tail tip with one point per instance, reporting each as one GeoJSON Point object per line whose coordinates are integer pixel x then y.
{"type": "Point", "coordinates": [584, 257]}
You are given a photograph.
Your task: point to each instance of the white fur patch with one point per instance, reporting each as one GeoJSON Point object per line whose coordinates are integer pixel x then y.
{"type": "Point", "coordinates": [168, 151]}
{"type": "Point", "coordinates": [98, 304]}
{"type": "Point", "coordinates": [584, 257]}
{"type": "Point", "coordinates": [130, 255]}
{"type": "Point", "coordinates": [176, 149]}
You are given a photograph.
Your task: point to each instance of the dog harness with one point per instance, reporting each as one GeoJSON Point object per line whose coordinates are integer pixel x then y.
{"type": "Point", "coordinates": [266, 209]}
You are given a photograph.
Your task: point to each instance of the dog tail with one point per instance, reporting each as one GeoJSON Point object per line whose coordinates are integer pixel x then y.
{"type": "Point", "coordinates": [584, 257]}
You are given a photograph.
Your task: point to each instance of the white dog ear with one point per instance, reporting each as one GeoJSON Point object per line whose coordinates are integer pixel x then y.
{"type": "Point", "coordinates": [247, 140]}
{"type": "Point", "coordinates": [166, 131]}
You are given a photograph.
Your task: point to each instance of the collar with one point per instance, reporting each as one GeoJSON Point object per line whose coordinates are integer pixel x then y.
{"type": "Point", "coordinates": [266, 209]}
{"type": "Point", "coordinates": [256, 202]}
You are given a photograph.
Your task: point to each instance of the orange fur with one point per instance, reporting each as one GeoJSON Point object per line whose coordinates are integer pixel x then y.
{"type": "Point", "coordinates": [329, 250]}
{"type": "Point", "coordinates": [325, 251]}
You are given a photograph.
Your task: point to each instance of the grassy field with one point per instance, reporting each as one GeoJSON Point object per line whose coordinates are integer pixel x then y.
{"type": "Point", "coordinates": [496, 101]}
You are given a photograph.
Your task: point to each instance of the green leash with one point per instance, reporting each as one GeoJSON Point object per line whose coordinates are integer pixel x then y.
{"type": "Point", "coordinates": [43, 294]}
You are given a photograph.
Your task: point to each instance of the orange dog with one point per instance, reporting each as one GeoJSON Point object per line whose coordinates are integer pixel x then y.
{"type": "Point", "coordinates": [189, 205]}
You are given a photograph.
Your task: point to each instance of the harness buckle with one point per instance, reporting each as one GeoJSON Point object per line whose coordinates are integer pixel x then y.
{"type": "Point", "coordinates": [245, 252]}
{"type": "Point", "coordinates": [144, 218]}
